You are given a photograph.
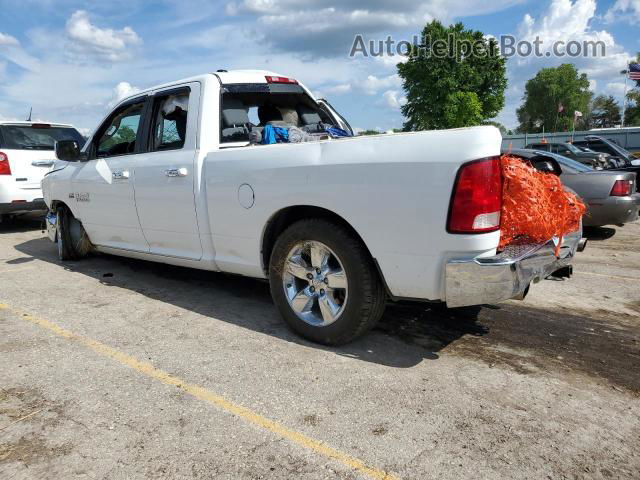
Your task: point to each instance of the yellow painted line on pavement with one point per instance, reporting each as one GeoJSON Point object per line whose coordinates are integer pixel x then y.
{"type": "Point", "coordinates": [208, 396]}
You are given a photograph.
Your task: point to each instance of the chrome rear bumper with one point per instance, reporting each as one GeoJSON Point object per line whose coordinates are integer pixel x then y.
{"type": "Point", "coordinates": [508, 275]}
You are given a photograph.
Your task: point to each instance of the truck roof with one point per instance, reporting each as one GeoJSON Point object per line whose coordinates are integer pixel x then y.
{"type": "Point", "coordinates": [246, 76]}
{"type": "Point", "coordinates": [18, 122]}
{"type": "Point", "coordinates": [226, 77]}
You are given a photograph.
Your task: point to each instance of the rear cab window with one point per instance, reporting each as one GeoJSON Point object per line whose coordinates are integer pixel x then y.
{"type": "Point", "coordinates": [248, 108]}
{"type": "Point", "coordinates": [37, 136]}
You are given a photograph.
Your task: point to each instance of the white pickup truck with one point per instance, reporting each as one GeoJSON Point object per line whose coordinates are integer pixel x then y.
{"type": "Point", "coordinates": [188, 174]}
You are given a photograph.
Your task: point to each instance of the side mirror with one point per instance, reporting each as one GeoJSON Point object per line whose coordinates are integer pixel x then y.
{"type": "Point", "coordinates": [68, 150]}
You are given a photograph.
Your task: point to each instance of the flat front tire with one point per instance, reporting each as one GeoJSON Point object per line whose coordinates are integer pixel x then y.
{"type": "Point", "coordinates": [324, 282]}
{"type": "Point", "coordinates": [72, 239]}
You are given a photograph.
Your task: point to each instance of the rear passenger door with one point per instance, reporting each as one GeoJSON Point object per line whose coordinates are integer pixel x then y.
{"type": "Point", "coordinates": [165, 176]}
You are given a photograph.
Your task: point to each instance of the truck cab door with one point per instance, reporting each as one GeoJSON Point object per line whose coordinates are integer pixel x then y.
{"type": "Point", "coordinates": [166, 175]}
{"type": "Point", "coordinates": [103, 185]}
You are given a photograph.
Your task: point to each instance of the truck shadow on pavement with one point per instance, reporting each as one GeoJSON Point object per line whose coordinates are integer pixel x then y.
{"type": "Point", "coordinates": [406, 335]}
{"type": "Point", "coordinates": [518, 337]}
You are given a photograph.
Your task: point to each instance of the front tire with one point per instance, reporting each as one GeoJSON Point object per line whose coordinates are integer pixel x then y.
{"type": "Point", "coordinates": [73, 242]}
{"type": "Point", "coordinates": [324, 282]}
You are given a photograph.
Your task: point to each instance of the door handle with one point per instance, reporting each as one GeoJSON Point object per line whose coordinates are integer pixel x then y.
{"type": "Point", "coordinates": [176, 172]}
{"type": "Point", "coordinates": [42, 163]}
{"type": "Point", "coordinates": [120, 175]}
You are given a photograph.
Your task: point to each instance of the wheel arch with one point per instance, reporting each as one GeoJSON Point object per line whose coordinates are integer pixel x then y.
{"type": "Point", "coordinates": [73, 208]}
{"type": "Point", "coordinates": [287, 216]}
{"type": "Point", "coordinates": [55, 204]}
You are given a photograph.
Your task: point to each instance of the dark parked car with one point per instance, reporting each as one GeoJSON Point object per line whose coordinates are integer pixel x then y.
{"type": "Point", "coordinates": [604, 145]}
{"type": "Point", "coordinates": [611, 196]}
{"type": "Point", "coordinates": [594, 159]}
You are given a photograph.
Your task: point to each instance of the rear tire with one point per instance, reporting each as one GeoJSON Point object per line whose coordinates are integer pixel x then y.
{"type": "Point", "coordinates": [357, 299]}
{"type": "Point", "coordinates": [73, 242]}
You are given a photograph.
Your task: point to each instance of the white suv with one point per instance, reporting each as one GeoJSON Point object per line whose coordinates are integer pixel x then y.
{"type": "Point", "coordinates": [26, 154]}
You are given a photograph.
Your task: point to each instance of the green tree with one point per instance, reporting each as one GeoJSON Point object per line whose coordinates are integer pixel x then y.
{"type": "Point", "coordinates": [605, 112]}
{"type": "Point", "coordinates": [452, 64]}
{"type": "Point", "coordinates": [632, 112]}
{"type": "Point", "coordinates": [553, 89]}
{"type": "Point", "coordinates": [463, 109]}
{"type": "Point", "coordinates": [125, 134]}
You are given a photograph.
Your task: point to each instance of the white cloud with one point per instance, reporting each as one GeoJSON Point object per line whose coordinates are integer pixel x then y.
{"type": "Point", "coordinates": [8, 40]}
{"type": "Point", "coordinates": [624, 10]}
{"type": "Point", "coordinates": [9, 119]}
{"type": "Point", "coordinates": [568, 20]}
{"type": "Point", "coordinates": [85, 132]}
{"type": "Point", "coordinates": [87, 40]}
{"type": "Point", "coordinates": [370, 86]}
{"type": "Point", "coordinates": [615, 88]}
{"type": "Point", "coordinates": [564, 20]}
{"type": "Point", "coordinates": [393, 99]}
{"type": "Point", "coordinates": [121, 91]}
{"type": "Point", "coordinates": [340, 89]}
{"type": "Point", "coordinates": [327, 27]}
{"type": "Point", "coordinates": [373, 84]}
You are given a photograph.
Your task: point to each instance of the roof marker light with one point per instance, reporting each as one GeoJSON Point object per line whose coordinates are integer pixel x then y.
{"type": "Point", "coordinates": [272, 79]}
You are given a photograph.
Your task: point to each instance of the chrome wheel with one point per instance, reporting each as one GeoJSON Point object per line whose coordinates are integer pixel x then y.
{"type": "Point", "coordinates": [315, 283]}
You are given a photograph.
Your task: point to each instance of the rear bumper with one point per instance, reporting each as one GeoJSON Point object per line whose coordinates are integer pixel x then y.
{"type": "Point", "coordinates": [613, 211]}
{"type": "Point", "coordinates": [508, 275]}
{"type": "Point", "coordinates": [23, 207]}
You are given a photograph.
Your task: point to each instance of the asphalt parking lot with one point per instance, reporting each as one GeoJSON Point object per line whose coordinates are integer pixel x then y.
{"type": "Point", "coordinates": [121, 369]}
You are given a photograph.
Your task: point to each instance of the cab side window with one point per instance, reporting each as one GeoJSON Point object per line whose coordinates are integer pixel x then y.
{"type": "Point", "coordinates": [121, 131]}
{"type": "Point", "coordinates": [169, 127]}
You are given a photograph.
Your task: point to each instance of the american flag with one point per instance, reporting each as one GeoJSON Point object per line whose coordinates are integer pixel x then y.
{"type": "Point", "coordinates": [634, 71]}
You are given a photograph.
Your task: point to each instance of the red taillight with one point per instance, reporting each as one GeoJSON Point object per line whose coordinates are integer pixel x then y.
{"type": "Point", "coordinates": [5, 168]}
{"type": "Point", "coordinates": [621, 188]}
{"type": "Point", "coordinates": [477, 198]}
{"type": "Point", "coordinates": [271, 79]}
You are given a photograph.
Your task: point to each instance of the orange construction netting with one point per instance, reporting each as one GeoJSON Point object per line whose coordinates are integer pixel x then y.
{"type": "Point", "coordinates": [535, 205]}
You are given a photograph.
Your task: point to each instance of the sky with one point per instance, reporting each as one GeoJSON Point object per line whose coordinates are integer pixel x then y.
{"type": "Point", "coordinates": [72, 60]}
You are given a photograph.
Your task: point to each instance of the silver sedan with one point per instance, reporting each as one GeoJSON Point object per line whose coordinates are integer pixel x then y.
{"type": "Point", "coordinates": [611, 197]}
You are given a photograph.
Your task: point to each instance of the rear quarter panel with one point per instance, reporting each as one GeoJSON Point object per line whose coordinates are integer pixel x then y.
{"type": "Point", "coordinates": [394, 190]}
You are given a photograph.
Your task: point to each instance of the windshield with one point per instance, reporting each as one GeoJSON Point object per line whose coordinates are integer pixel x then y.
{"type": "Point", "coordinates": [36, 137]}
{"type": "Point", "coordinates": [572, 148]}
